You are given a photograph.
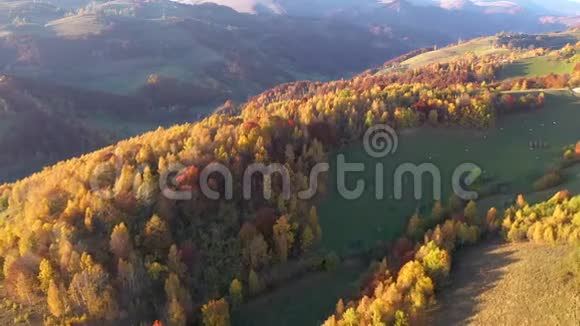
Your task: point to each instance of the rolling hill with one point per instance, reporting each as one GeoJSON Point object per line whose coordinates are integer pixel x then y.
{"type": "Point", "coordinates": [528, 14]}
{"type": "Point", "coordinates": [115, 46]}
{"type": "Point", "coordinates": [301, 7]}
{"type": "Point", "coordinates": [173, 62]}
{"type": "Point", "coordinates": [44, 123]}
{"type": "Point", "coordinates": [95, 239]}
{"type": "Point", "coordinates": [499, 44]}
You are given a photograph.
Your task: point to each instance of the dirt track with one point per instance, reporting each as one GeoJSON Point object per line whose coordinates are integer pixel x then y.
{"type": "Point", "coordinates": [508, 284]}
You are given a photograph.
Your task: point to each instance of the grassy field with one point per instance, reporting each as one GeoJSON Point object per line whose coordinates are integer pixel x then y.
{"type": "Point", "coordinates": [503, 153]}
{"type": "Point", "coordinates": [484, 46]}
{"type": "Point", "coordinates": [306, 302]}
{"type": "Point", "coordinates": [538, 66]}
{"type": "Point", "coordinates": [480, 46]}
{"type": "Point", "coordinates": [489, 281]}
{"type": "Point", "coordinates": [78, 26]}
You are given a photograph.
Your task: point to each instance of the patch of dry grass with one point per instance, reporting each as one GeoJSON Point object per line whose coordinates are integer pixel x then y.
{"type": "Point", "coordinates": [510, 284]}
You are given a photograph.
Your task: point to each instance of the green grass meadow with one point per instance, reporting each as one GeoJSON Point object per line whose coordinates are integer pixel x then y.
{"type": "Point", "coordinates": [537, 66]}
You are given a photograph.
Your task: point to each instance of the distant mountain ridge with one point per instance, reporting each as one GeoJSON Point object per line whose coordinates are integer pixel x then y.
{"type": "Point", "coordinates": [325, 7]}
{"type": "Point", "coordinates": [452, 18]}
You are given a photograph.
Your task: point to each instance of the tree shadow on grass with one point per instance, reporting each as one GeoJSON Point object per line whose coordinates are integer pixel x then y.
{"type": "Point", "coordinates": [513, 70]}
{"type": "Point", "coordinates": [476, 270]}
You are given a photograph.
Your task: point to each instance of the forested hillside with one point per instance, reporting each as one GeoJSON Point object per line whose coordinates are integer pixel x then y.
{"type": "Point", "coordinates": [43, 123]}
{"type": "Point", "coordinates": [95, 240]}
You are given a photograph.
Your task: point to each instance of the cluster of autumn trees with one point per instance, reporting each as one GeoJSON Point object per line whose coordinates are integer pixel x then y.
{"type": "Point", "coordinates": [108, 245]}
{"type": "Point", "coordinates": [401, 294]}
{"type": "Point", "coordinates": [572, 152]}
{"type": "Point", "coordinates": [468, 69]}
{"type": "Point", "coordinates": [455, 93]}
{"type": "Point", "coordinates": [556, 174]}
{"type": "Point", "coordinates": [96, 239]}
{"type": "Point", "coordinates": [521, 41]}
{"type": "Point", "coordinates": [551, 81]}
{"type": "Point", "coordinates": [554, 221]}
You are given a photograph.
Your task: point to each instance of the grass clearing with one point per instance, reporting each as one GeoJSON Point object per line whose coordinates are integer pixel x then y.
{"type": "Point", "coordinates": [502, 152]}
{"type": "Point", "coordinates": [485, 46]}
{"type": "Point", "coordinates": [305, 302]}
{"type": "Point", "coordinates": [480, 46]}
{"type": "Point", "coordinates": [78, 26]}
{"type": "Point", "coordinates": [537, 66]}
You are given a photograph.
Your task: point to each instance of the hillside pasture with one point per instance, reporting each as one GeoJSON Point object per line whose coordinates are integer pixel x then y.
{"type": "Point", "coordinates": [79, 26]}
{"type": "Point", "coordinates": [489, 45]}
{"type": "Point", "coordinates": [537, 66]}
{"type": "Point", "coordinates": [502, 152]}
{"type": "Point", "coordinates": [480, 46]}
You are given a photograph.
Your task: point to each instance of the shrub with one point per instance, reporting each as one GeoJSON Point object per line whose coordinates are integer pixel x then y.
{"type": "Point", "coordinates": [548, 181]}
{"type": "Point", "coordinates": [554, 221]}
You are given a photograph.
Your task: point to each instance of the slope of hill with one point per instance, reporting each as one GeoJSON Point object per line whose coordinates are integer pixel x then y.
{"type": "Point", "coordinates": [325, 7]}
{"type": "Point", "coordinates": [500, 44]}
{"type": "Point", "coordinates": [245, 6]}
{"type": "Point", "coordinates": [563, 7]}
{"type": "Point", "coordinates": [481, 17]}
{"type": "Point", "coordinates": [498, 283]}
{"type": "Point", "coordinates": [115, 45]}
{"type": "Point", "coordinates": [43, 123]}
{"type": "Point", "coordinates": [180, 61]}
